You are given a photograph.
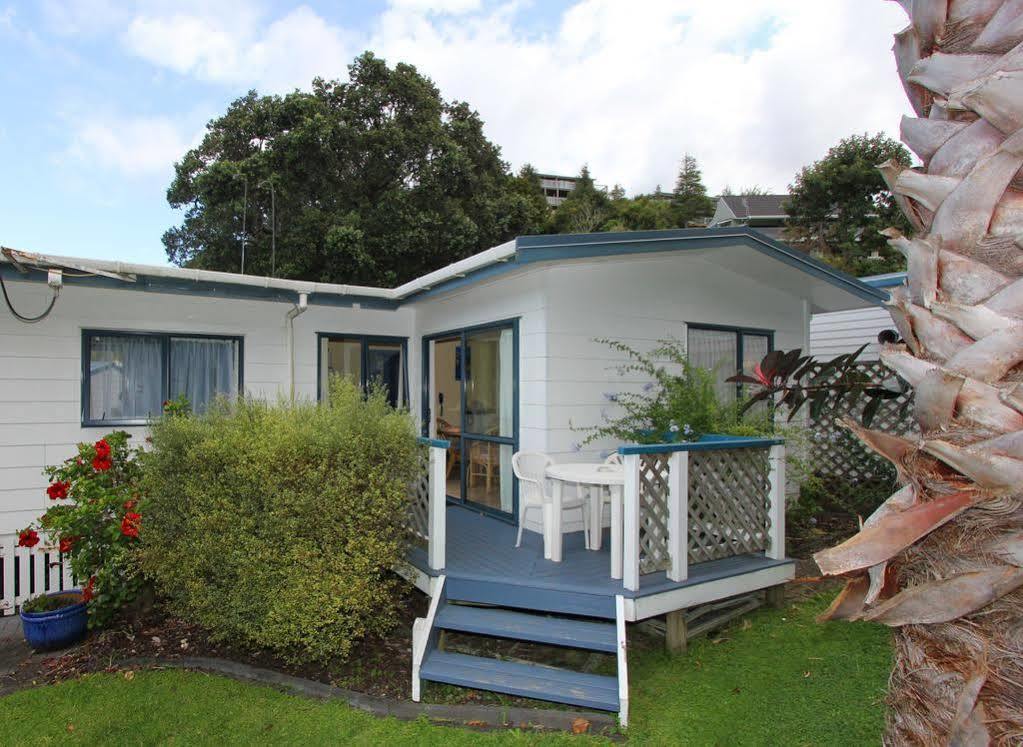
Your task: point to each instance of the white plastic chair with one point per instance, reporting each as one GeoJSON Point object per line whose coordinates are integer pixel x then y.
{"type": "Point", "coordinates": [530, 468]}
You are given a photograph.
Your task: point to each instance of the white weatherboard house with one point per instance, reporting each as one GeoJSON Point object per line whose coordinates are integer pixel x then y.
{"type": "Point", "coordinates": [496, 354]}
{"type": "Point", "coordinates": [839, 332]}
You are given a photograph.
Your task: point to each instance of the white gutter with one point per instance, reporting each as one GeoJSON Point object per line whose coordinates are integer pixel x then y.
{"type": "Point", "coordinates": [500, 253]}
{"type": "Point", "coordinates": [296, 310]}
{"type": "Point", "coordinates": [128, 271]}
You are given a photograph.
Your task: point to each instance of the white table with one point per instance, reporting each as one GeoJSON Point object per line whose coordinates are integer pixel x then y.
{"type": "Point", "coordinates": [594, 477]}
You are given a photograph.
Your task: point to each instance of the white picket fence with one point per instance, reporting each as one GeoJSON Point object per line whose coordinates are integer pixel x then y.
{"type": "Point", "coordinates": [27, 572]}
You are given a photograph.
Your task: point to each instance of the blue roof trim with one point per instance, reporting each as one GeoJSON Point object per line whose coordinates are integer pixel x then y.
{"type": "Point", "coordinates": [708, 443]}
{"type": "Point", "coordinates": [529, 249]}
{"type": "Point", "coordinates": [574, 246]}
{"type": "Point", "coordinates": [889, 280]}
{"type": "Point", "coordinates": [202, 288]}
{"type": "Point", "coordinates": [435, 442]}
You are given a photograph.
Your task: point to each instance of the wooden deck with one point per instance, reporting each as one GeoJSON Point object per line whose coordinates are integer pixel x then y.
{"type": "Point", "coordinates": [484, 565]}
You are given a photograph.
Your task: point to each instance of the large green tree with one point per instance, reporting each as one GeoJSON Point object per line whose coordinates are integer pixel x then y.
{"type": "Point", "coordinates": [838, 206]}
{"type": "Point", "coordinates": [689, 199]}
{"type": "Point", "coordinates": [373, 181]}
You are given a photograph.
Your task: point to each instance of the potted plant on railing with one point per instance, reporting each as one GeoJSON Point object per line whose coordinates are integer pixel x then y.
{"type": "Point", "coordinates": [95, 522]}
{"type": "Point", "coordinates": [679, 403]}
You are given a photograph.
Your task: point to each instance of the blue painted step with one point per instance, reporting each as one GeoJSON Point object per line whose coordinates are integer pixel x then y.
{"type": "Point", "coordinates": [488, 591]}
{"type": "Point", "coordinates": [524, 680]}
{"type": "Point", "coordinates": [593, 636]}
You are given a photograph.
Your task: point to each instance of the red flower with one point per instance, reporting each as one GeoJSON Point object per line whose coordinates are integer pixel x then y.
{"type": "Point", "coordinates": [101, 465]}
{"type": "Point", "coordinates": [88, 591]}
{"type": "Point", "coordinates": [66, 543]}
{"type": "Point", "coordinates": [131, 524]}
{"type": "Point", "coordinates": [58, 490]}
{"type": "Point", "coordinates": [102, 449]}
{"type": "Point", "coordinates": [129, 505]}
{"type": "Point", "coordinates": [28, 538]}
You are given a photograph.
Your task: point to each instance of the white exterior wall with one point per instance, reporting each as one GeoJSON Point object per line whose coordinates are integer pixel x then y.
{"type": "Point", "coordinates": [638, 301]}
{"type": "Point", "coordinates": [842, 332]}
{"type": "Point", "coordinates": [40, 366]}
{"type": "Point", "coordinates": [506, 297]}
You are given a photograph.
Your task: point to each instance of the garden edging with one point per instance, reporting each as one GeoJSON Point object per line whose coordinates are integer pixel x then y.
{"type": "Point", "coordinates": [476, 716]}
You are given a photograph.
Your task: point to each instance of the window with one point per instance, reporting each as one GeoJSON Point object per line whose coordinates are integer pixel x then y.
{"type": "Point", "coordinates": [126, 376]}
{"type": "Point", "coordinates": [364, 360]}
{"type": "Point", "coordinates": [726, 351]}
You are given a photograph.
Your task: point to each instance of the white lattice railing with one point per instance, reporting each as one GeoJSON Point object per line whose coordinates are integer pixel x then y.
{"type": "Point", "coordinates": [27, 572]}
{"type": "Point", "coordinates": [428, 500]}
{"type": "Point", "coordinates": [690, 503]}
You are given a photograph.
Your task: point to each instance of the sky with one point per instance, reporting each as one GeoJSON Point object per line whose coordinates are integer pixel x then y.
{"type": "Point", "coordinates": [98, 99]}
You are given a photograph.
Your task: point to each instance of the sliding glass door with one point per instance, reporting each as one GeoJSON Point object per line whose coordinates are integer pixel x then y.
{"type": "Point", "coordinates": [471, 400]}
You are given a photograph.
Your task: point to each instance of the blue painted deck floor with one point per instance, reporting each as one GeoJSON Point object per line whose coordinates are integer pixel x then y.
{"type": "Point", "coordinates": [482, 548]}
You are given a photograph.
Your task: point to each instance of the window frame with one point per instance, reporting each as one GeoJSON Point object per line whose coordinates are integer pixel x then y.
{"type": "Point", "coordinates": [739, 333]}
{"type": "Point", "coordinates": [164, 337]}
{"type": "Point", "coordinates": [364, 341]}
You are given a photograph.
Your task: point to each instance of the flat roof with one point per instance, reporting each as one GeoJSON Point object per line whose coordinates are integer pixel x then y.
{"type": "Point", "coordinates": [523, 250]}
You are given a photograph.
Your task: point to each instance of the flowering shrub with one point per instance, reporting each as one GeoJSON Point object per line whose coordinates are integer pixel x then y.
{"type": "Point", "coordinates": [96, 524]}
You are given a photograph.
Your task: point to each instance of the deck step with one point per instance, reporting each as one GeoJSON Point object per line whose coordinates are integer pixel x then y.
{"type": "Point", "coordinates": [535, 599]}
{"type": "Point", "coordinates": [524, 680]}
{"type": "Point", "coordinates": [502, 623]}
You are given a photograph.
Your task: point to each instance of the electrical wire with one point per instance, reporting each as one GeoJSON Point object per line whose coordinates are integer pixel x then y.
{"type": "Point", "coordinates": [22, 317]}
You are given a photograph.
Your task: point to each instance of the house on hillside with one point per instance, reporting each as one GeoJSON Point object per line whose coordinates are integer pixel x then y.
{"type": "Point", "coordinates": [765, 213]}
{"type": "Point", "coordinates": [497, 355]}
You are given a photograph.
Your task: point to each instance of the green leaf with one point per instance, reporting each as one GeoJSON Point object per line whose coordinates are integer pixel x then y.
{"type": "Point", "coordinates": [870, 411]}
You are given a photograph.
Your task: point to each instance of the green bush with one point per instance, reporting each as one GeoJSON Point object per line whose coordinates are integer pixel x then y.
{"type": "Point", "coordinates": [680, 402]}
{"type": "Point", "coordinates": [279, 526]}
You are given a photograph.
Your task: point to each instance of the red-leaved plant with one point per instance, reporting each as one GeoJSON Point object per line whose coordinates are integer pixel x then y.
{"type": "Point", "coordinates": [97, 522]}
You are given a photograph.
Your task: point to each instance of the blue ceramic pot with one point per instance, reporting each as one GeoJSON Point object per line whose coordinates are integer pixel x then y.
{"type": "Point", "coordinates": [46, 631]}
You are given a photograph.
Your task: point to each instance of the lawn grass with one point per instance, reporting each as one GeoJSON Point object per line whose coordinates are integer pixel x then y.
{"type": "Point", "coordinates": [775, 678]}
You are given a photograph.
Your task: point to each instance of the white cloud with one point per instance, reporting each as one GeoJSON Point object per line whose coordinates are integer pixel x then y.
{"type": "Point", "coordinates": [135, 147]}
{"type": "Point", "coordinates": [241, 47]}
{"type": "Point", "coordinates": [754, 89]}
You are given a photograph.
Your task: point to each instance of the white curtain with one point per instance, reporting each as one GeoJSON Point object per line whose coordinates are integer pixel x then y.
{"type": "Point", "coordinates": [718, 351]}
{"type": "Point", "coordinates": [125, 377]}
{"type": "Point", "coordinates": [201, 369]}
{"type": "Point", "coordinates": [506, 409]}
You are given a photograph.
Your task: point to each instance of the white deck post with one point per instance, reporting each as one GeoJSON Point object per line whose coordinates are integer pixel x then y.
{"type": "Point", "coordinates": [776, 460]}
{"type": "Point", "coordinates": [438, 509]}
{"type": "Point", "coordinates": [678, 515]}
{"type": "Point", "coordinates": [630, 523]}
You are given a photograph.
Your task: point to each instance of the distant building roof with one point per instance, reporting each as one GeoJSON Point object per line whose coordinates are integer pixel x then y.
{"type": "Point", "coordinates": [756, 206]}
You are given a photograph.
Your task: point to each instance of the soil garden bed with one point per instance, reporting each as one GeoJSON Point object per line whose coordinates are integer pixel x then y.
{"type": "Point", "coordinates": [378, 667]}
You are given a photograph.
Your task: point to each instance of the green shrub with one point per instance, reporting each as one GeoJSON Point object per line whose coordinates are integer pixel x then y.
{"type": "Point", "coordinates": [680, 402]}
{"type": "Point", "coordinates": [279, 526]}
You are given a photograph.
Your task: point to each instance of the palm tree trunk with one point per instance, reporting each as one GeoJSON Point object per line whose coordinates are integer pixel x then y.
{"type": "Point", "coordinates": [942, 560]}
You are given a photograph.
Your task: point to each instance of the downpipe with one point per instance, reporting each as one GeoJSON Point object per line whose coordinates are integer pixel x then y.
{"type": "Point", "coordinates": [294, 311]}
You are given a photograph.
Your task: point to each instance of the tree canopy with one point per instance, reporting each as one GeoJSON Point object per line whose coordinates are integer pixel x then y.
{"type": "Point", "coordinates": [376, 180]}
{"type": "Point", "coordinates": [838, 205]}
{"type": "Point", "coordinates": [689, 200]}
